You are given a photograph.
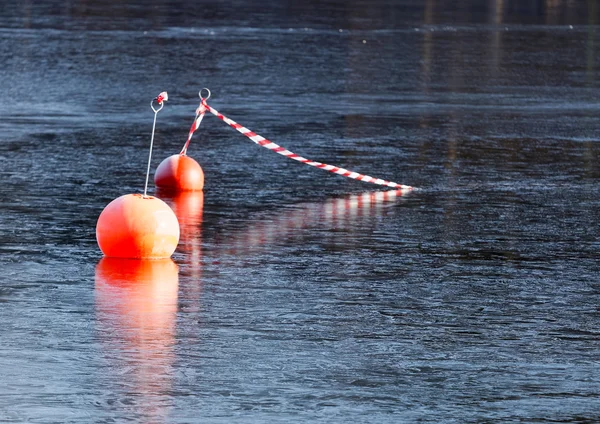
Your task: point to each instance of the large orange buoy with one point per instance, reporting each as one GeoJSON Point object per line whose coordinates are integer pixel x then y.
{"type": "Point", "coordinates": [180, 173]}
{"type": "Point", "coordinates": [137, 226]}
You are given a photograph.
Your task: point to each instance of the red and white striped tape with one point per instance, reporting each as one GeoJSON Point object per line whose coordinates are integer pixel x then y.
{"type": "Point", "coordinates": [199, 115]}
{"type": "Point", "coordinates": [261, 141]}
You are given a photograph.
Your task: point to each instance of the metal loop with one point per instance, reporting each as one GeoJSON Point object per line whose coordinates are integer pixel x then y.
{"type": "Point", "coordinates": [159, 109]}
{"type": "Point", "coordinates": [200, 94]}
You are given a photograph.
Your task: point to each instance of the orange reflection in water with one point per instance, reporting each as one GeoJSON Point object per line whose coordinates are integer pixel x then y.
{"type": "Point", "coordinates": [333, 213]}
{"type": "Point", "coordinates": [188, 207]}
{"type": "Point", "coordinates": [136, 309]}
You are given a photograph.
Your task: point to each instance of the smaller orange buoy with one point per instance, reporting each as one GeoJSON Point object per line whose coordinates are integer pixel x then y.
{"type": "Point", "coordinates": [137, 226]}
{"type": "Point", "coordinates": [180, 173]}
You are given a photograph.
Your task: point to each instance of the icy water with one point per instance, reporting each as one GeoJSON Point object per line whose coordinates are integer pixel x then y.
{"type": "Point", "coordinates": [296, 295]}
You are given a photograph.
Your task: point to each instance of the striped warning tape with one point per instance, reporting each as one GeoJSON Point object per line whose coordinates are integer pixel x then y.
{"type": "Point", "coordinates": [197, 120]}
{"type": "Point", "coordinates": [261, 141]}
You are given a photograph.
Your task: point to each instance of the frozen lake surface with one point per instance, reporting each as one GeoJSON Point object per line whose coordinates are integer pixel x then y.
{"type": "Point", "coordinates": [296, 295]}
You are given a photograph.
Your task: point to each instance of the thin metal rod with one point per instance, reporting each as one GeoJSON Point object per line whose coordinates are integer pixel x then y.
{"type": "Point", "coordinates": [150, 154]}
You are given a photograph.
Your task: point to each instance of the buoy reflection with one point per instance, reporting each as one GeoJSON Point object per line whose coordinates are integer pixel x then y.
{"type": "Point", "coordinates": [188, 207]}
{"type": "Point", "coordinates": [334, 213]}
{"type": "Point", "coordinates": [136, 308]}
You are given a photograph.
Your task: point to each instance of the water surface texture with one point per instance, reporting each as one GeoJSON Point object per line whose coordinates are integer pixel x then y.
{"type": "Point", "coordinates": [296, 295]}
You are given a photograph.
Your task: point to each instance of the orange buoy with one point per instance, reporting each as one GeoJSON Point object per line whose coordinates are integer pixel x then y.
{"type": "Point", "coordinates": [180, 173]}
{"type": "Point", "coordinates": [137, 226]}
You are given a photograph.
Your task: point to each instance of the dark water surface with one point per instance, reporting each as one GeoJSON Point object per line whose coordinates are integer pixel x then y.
{"type": "Point", "coordinates": [296, 295]}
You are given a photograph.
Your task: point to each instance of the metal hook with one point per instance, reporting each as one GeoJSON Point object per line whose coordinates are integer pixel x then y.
{"type": "Point", "coordinates": [159, 109]}
{"type": "Point", "coordinates": [200, 94]}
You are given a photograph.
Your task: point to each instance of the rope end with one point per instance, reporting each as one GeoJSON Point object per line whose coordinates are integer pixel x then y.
{"type": "Point", "coordinates": [162, 97]}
